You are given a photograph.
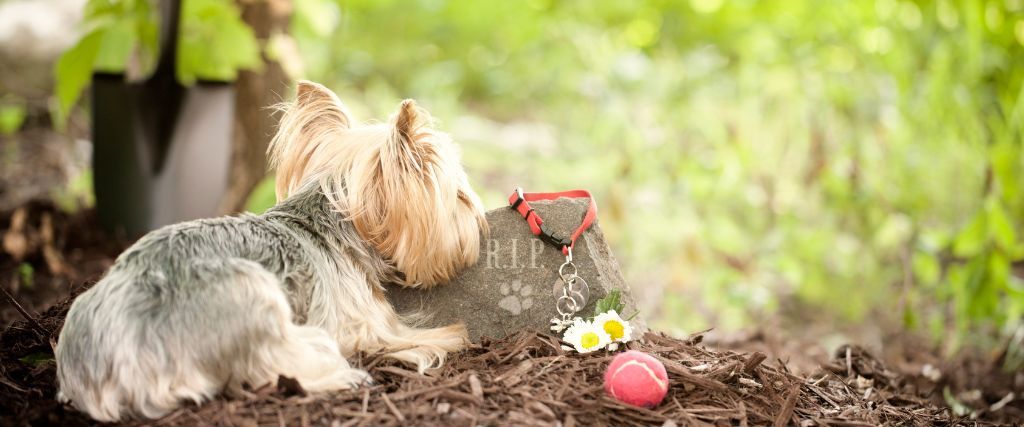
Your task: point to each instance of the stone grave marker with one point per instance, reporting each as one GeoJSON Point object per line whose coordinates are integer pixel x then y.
{"type": "Point", "coordinates": [515, 283]}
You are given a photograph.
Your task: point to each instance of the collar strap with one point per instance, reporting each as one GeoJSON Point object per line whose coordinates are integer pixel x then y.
{"type": "Point", "coordinates": [519, 202]}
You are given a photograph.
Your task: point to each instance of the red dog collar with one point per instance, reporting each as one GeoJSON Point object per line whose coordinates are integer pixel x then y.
{"type": "Point", "coordinates": [519, 202]}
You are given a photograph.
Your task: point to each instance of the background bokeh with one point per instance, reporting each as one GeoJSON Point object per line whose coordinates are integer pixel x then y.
{"type": "Point", "coordinates": [848, 162]}
{"type": "Point", "coordinates": [844, 164]}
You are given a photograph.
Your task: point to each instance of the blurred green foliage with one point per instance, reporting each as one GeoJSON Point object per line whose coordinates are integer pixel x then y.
{"type": "Point", "coordinates": [856, 158]}
{"type": "Point", "coordinates": [122, 36]}
{"type": "Point", "coordinates": [37, 359]}
{"type": "Point", "coordinates": [77, 194]}
{"type": "Point", "coordinates": [262, 197]}
{"type": "Point", "coordinates": [215, 43]}
{"type": "Point", "coordinates": [27, 275]}
{"type": "Point", "coordinates": [844, 160]}
{"type": "Point", "coordinates": [12, 114]}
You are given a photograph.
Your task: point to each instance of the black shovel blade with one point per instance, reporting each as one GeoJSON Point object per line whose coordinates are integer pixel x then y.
{"type": "Point", "coordinates": [154, 165]}
{"type": "Point", "coordinates": [121, 156]}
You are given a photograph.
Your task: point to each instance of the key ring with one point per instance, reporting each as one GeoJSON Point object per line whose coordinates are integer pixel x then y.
{"type": "Point", "coordinates": [568, 263]}
{"type": "Point", "coordinates": [575, 290]}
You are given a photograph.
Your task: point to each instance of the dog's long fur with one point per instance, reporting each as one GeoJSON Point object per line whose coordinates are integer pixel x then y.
{"type": "Point", "coordinates": [204, 306]}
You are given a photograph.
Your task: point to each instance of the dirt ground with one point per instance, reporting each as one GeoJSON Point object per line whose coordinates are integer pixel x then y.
{"type": "Point", "coordinates": [527, 379]}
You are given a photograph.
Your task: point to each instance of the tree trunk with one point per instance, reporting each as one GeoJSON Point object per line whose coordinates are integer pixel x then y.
{"type": "Point", "coordinates": [254, 126]}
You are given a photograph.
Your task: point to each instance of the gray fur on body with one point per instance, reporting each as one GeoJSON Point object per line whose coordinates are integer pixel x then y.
{"type": "Point", "coordinates": [197, 307]}
{"type": "Point", "coordinates": [291, 241]}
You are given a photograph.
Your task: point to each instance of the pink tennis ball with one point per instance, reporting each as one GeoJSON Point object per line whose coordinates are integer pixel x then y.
{"type": "Point", "coordinates": [636, 378]}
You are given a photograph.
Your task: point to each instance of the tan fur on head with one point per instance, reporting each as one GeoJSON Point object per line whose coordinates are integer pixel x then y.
{"type": "Point", "coordinates": [306, 130]}
{"type": "Point", "coordinates": [400, 183]}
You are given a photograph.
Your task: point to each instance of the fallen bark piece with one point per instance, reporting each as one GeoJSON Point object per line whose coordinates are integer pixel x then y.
{"type": "Point", "coordinates": [515, 283]}
{"type": "Point", "coordinates": [289, 386]}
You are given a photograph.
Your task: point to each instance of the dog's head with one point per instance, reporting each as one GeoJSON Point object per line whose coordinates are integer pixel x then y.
{"type": "Point", "coordinates": [400, 183]}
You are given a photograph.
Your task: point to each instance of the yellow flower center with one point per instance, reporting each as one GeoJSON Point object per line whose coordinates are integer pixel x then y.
{"type": "Point", "coordinates": [589, 340]}
{"type": "Point", "coordinates": [614, 329]}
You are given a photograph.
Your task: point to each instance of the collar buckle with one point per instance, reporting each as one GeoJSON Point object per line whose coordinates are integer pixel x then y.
{"type": "Point", "coordinates": [554, 238]}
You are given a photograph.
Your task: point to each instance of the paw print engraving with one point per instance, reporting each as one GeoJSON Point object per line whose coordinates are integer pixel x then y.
{"type": "Point", "coordinates": [518, 297]}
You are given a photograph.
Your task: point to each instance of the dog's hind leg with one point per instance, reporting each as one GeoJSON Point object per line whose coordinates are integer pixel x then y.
{"type": "Point", "coordinates": [307, 354]}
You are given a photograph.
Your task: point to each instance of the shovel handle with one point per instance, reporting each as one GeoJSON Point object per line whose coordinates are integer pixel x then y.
{"type": "Point", "coordinates": [170, 20]}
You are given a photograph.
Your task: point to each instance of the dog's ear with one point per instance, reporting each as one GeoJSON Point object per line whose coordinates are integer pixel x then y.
{"type": "Point", "coordinates": [410, 119]}
{"type": "Point", "coordinates": [321, 104]}
{"type": "Point", "coordinates": [411, 125]}
{"type": "Point", "coordinates": [313, 120]}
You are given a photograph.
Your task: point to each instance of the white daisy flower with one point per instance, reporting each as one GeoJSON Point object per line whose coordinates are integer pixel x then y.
{"type": "Point", "coordinates": [611, 323]}
{"type": "Point", "coordinates": [585, 337]}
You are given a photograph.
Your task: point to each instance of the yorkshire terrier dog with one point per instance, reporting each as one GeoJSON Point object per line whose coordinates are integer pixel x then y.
{"type": "Point", "coordinates": [212, 305]}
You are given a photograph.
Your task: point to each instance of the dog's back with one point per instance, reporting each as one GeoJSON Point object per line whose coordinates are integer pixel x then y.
{"type": "Point", "coordinates": [188, 310]}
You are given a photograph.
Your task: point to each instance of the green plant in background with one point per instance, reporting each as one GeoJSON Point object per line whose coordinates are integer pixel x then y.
{"type": "Point", "coordinates": [27, 274]}
{"type": "Point", "coordinates": [76, 195]}
{"type": "Point", "coordinates": [262, 197]}
{"type": "Point", "coordinates": [215, 43]}
{"type": "Point", "coordinates": [114, 32]}
{"type": "Point", "coordinates": [121, 36]}
{"type": "Point", "coordinates": [754, 155]}
{"type": "Point", "coordinates": [313, 24]}
{"type": "Point", "coordinates": [855, 159]}
{"type": "Point", "coordinates": [12, 114]}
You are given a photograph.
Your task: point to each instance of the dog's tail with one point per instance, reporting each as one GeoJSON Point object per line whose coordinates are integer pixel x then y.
{"type": "Point", "coordinates": [139, 345]}
{"type": "Point", "coordinates": [427, 347]}
{"type": "Point", "coordinates": [375, 327]}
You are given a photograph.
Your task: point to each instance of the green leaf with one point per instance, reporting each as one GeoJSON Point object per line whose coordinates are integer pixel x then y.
{"type": "Point", "coordinates": [11, 118]}
{"type": "Point", "coordinates": [958, 408]}
{"type": "Point", "coordinates": [998, 271]}
{"type": "Point", "coordinates": [215, 43]}
{"type": "Point", "coordinates": [1005, 158]}
{"type": "Point", "coordinates": [926, 268]}
{"type": "Point", "coordinates": [119, 40]}
{"type": "Point", "coordinates": [1000, 229]}
{"type": "Point", "coordinates": [37, 359]}
{"type": "Point", "coordinates": [975, 299]}
{"type": "Point", "coordinates": [1017, 253]}
{"type": "Point", "coordinates": [971, 239]}
{"type": "Point", "coordinates": [611, 301]}
{"type": "Point", "coordinates": [76, 195]}
{"type": "Point", "coordinates": [74, 71]}
{"type": "Point", "coordinates": [28, 274]}
{"type": "Point", "coordinates": [910, 318]}
{"type": "Point", "coordinates": [115, 30]}
{"type": "Point", "coordinates": [1015, 289]}
{"type": "Point", "coordinates": [99, 9]}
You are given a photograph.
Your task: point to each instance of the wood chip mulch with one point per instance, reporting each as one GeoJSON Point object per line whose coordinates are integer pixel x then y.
{"type": "Point", "coordinates": [525, 379]}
